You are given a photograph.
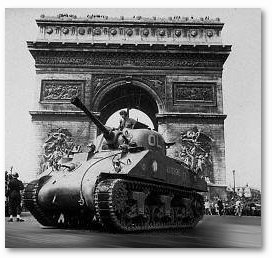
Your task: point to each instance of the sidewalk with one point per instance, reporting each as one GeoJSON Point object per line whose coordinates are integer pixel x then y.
{"type": "Point", "coordinates": [26, 216]}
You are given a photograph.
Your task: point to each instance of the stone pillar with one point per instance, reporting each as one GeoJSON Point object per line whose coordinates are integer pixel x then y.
{"type": "Point", "coordinates": [53, 109]}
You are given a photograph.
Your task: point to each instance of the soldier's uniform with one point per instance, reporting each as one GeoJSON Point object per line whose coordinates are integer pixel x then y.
{"type": "Point", "coordinates": [14, 195]}
{"type": "Point", "coordinates": [127, 123]}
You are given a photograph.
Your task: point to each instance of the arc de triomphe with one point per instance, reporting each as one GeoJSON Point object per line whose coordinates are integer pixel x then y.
{"type": "Point", "coordinates": [171, 69]}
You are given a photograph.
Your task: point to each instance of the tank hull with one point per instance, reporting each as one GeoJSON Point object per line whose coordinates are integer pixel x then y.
{"type": "Point", "coordinates": [157, 183]}
{"type": "Point", "coordinates": [67, 190]}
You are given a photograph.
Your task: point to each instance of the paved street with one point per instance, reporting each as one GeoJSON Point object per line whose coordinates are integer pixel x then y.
{"type": "Point", "coordinates": [213, 231]}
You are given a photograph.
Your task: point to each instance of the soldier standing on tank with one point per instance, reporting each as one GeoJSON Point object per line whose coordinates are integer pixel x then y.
{"type": "Point", "coordinates": [126, 122]}
{"type": "Point", "coordinates": [14, 187]}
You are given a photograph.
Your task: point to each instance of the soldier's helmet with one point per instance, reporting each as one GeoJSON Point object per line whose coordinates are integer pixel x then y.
{"type": "Point", "coordinates": [16, 175]}
{"type": "Point", "coordinates": [123, 112]}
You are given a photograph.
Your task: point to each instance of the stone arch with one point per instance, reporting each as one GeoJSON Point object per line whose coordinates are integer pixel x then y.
{"type": "Point", "coordinates": [127, 93]}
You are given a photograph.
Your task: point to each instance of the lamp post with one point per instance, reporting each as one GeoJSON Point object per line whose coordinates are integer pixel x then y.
{"type": "Point", "coordinates": [233, 172]}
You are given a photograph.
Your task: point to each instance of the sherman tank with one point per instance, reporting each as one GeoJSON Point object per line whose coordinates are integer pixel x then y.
{"type": "Point", "coordinates": [126, 183]}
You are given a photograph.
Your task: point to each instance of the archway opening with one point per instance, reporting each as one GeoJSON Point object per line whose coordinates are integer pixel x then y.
{"type": "Point", "coordinates": [113, 120]}
{"type": "Point", "coordinates": [132, 97]}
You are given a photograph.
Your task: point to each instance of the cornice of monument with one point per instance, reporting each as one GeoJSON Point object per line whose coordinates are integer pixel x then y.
{"type": "Point", "coordinates": [130, 30]}
{"type": "Point", "coordinates": [42, 114]}
{"type": "Point", "coordinates": [94, 18]}
{"type": "Point", "coordinates": [129, 59]}
{"type": "Point", "coordinates": [96, 46]}
{"type": "Point", "coordinates": [192, 115]}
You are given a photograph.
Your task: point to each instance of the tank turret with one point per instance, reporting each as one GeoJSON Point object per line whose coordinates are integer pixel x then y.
{"type": "Point", "coordinates": [135, 138]}
{"type": "Point", "coordinates": [110, 135]}
{"type": "Point", "coordinates": [126, 184]}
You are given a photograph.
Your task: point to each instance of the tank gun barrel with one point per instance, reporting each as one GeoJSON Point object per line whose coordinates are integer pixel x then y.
{"type": "Point", "coordinates": [77, 102]}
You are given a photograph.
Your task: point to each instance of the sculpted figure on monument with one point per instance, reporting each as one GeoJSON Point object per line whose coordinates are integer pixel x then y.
{"type": "Point", "coordinates": [58, 144]}
{"type": "Point", "coordinates": [195, 151]}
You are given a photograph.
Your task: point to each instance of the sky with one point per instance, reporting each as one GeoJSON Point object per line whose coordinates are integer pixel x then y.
{"type": "Point", "coordinates": [241, 85]}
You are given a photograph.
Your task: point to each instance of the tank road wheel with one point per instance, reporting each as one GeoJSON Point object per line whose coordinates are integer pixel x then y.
{"type": "Point", "coordinates": [119, 198]}
{"type": "Point", "coordinates": [172, 216]}
{"type": "Point", "coordinates": [157, 215]}
{"type": "Point", "coordinates": [113, 205]}
{"type": "Point", "coordinates": [197, 208]}
{"type": "Point", "coordinates": [201, 208]}
{"type": "Point", "coordinates": [195, 211]}
{"type": "Point", "coordinates": [180, 214]}
{"type": "Point", "coordinates": [146, 216]}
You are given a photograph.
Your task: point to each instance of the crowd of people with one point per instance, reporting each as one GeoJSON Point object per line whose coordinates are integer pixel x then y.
{"type": "Point", "coordinates": [236, 206]}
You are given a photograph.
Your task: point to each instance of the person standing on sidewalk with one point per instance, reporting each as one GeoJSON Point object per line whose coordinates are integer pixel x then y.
{"type": "Point", "coordinates": [14, 187]}
{"type": "Point", "coordinates": [207, 205]}
{"type": "Point", "coordinates": [220, 206]}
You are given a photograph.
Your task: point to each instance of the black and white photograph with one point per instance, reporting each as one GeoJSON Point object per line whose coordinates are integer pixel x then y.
{"type": "Point", "coordinates": [133, 128]}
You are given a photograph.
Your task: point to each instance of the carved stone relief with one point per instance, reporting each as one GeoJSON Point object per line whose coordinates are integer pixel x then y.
{"type": "Point", "coordinates": [156, 82]}
{"type": "Point", "coordinates": [194, 92]}
{"type": "Point", "coordinates": [58, 145]}
{"type": "Point", "coordinates": [126, 59]}
{"type": "Point", "coordinates": [99, 80]}
{"type": "Point", "coordinates": [60, 90]}
{"type": "Point", "coordinates": [194, 149]}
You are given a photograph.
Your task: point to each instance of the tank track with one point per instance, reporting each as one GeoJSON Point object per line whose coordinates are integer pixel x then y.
{"type": "Point", "coordinates": [117, 209]}
{"type": "Point", "coordinates": [30, 201]}
{"type": "Point", "coordinates": [52, 219]}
